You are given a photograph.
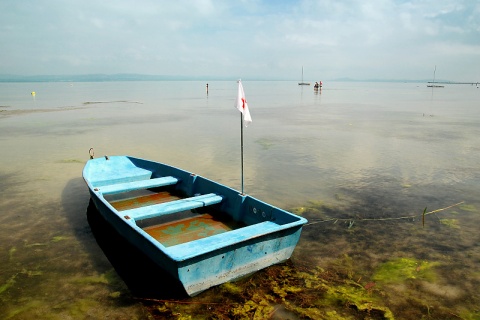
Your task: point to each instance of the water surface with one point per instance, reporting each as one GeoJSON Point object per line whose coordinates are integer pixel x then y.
{"type": "Point", "coordinates": [361, 161]}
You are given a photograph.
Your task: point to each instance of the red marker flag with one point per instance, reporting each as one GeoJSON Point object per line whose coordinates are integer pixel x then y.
{"type": "Point", "coordinates": [242, 106]}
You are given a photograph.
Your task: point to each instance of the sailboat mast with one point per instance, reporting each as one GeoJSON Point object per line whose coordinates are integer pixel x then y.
{"type": "Point", "coordinates": [303, 83]}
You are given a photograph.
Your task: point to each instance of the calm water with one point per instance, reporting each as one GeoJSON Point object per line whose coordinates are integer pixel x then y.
{"type": "Point", "coordinates": [353, 159]}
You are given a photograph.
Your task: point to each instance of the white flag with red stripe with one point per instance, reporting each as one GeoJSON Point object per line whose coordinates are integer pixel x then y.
{"type": "Point", "coordinates": [242, 106]}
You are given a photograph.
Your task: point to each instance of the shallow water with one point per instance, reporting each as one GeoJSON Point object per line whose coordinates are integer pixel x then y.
{"type": "Point", "coordinates": [342, 156]}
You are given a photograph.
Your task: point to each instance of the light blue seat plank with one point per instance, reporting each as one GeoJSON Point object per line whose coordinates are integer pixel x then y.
{"type": "Point", "coordinates": [172, 206]}
{"type": "Point", "coordinates": [137, 185]}
{"type": "Point", "coordinates": [223, 240]}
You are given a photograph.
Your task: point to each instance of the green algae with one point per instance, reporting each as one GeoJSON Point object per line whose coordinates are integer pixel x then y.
{"type": "Point", "coordinates": [299, 210]}
{"type": "Point", "coordinates": [401, 269]}
{"type": "Point", "coordinates": [334, 293]}
{"type": "Point", "coordinates": [257, 308]}
{"type": "Point", "coordinates": [316, 203]}
{"type": "Point", "coordinates": [265, 143]}
{"type": "Point", "coordinates": [231, 288]}
{"type": "Point", "coordinates": [320, 210]}
{"type": "Point", "coordinates": [24, 308]}
{"type": "Point", "coordinates": [71, 302]}
{"type": "Point", "coordinates": [468, 207]}
{"type": "Point", "coordinates": [11, 252]}
{"type": "Point", "coordinates": [470, 314]}
{"type": "Point", "coordinates": [12, 280]}
{"type": "Point", "coordinates": [92, 279]}
{"type": "Point", "coordinates": [321, 295]}
{"type": "Point", "coordinates": [110, 277]}
{"type": "Point", "coordinates": [81, 307]}
{"type": "Point", "coordinates": [113, 278]}
{"type": "Point", "coordinates": [9, 283]}
{"type": "Point", "coordinates": [59, 238]}
{"type": "Point", "coordinates": [452, 223]}
{"type": "Point", "coordinates": [109, 281]}
{"type": "Point", "coordinates": [31, 273]}
{"type": "Point", "coordinates": [171, 310]}
{"type": "Point", "coordinates": [358, 297]}
{"type": "Point", "coordinates": [310, 313]}
{"type": "Point", "coordinates": [35, 244]}
{"type": "Point", "coordinates": [312, 207]}
{"type": "Point", "coordinates": [306, 294]}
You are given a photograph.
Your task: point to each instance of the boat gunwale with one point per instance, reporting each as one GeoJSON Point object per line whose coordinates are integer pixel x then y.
{"type": "Point", "coordinates": [226, 239]}
{"type": "Point", "coordinates": [189, 250]}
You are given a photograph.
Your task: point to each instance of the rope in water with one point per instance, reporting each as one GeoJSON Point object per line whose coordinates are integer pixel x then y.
{"type": "Point", "coordinates": [383, 219]}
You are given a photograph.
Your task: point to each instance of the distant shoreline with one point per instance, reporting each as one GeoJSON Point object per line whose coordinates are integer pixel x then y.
{"type": "Point", "coordinates": [144, 77]}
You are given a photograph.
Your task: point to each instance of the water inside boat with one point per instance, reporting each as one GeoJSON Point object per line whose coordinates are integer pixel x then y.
{"type": "Point", "coordinates": [176, 228]}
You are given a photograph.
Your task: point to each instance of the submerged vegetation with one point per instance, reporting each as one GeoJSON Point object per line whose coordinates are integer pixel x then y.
{"type": "Point", "coordinates": [290, 291]}
{"type": "Point", "coordinates": [351, 263]}
{"type": "Point", "coordinates": [282, 291]}
{"type": "Point", "coordinates": [354, 285]}
{"type": "Point", "coordinates": [403, 269]}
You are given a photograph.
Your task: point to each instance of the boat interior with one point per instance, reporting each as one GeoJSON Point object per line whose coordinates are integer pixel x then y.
{"type": "Point", "coordinates": [178, 226]}
{"type": "Point", "coordinates": [175, 207]}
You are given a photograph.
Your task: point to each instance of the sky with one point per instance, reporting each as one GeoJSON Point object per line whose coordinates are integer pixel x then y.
{"type": "Point", "coordinates": [248, 39]}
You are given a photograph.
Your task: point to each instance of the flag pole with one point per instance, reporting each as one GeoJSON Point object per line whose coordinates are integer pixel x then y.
{"type": "Point", "coordinates": [245, 119]}
{"type": "Point", "coordinates": [241, 145]}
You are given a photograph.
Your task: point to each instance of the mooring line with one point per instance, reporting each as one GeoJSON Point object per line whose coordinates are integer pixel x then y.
{"type": "Point", "coordinates": [384, 219]}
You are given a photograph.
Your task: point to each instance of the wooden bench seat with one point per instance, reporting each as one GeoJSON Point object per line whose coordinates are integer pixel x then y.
{"type": "Point", "coordinates": [172, 206]}
{"type": "Point", "coordinates": [137, 185]}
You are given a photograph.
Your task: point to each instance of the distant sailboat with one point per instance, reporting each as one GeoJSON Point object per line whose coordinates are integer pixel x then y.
{"type": "Point", "coordinates": [303, 83]}
{"type": "Point", "coordinates": [433, 85]}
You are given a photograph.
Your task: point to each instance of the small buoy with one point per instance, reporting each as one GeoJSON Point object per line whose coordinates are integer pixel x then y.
{"type": "Point", "coordinates": [33, 93]}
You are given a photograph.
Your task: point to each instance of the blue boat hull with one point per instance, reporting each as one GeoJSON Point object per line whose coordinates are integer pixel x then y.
{"type": "Point", "coordinates": [180, 235]}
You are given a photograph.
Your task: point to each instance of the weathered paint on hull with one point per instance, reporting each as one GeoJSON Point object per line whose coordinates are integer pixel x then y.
{"type": "Point", "coordinates": [235, 262]}
{"type": "Point", "coordinates": [262, 235]}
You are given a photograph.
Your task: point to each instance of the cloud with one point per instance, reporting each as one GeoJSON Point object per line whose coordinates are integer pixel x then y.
{"type": "Point", "coordinates": [250, 38]}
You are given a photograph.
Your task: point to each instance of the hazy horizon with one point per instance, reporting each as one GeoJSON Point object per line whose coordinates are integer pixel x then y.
{"type": "Point", "coordinates": [158, 77]}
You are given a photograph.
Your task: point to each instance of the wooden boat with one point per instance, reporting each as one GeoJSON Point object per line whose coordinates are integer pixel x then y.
{"type": "Point", "coordinates": [201, 232]}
